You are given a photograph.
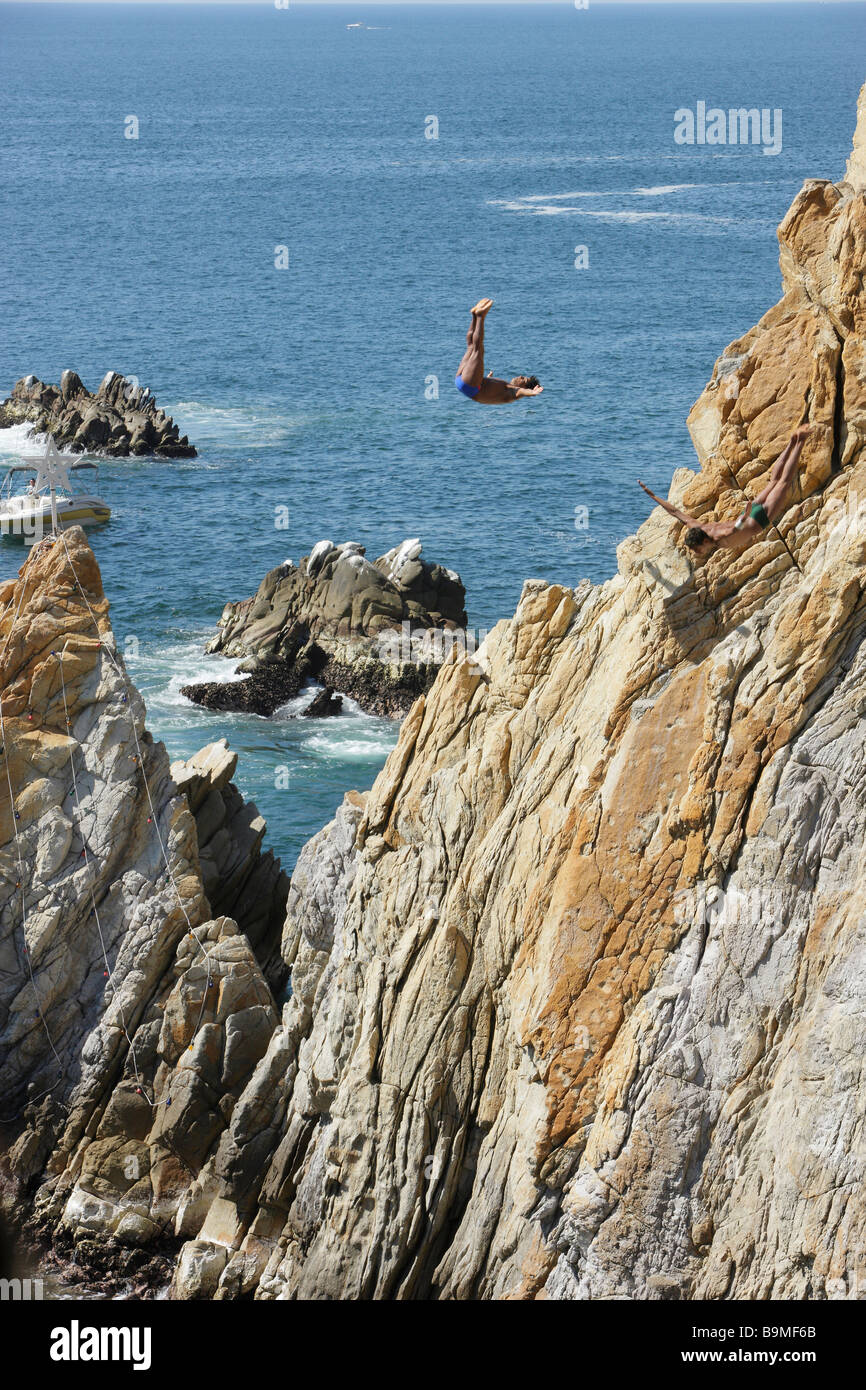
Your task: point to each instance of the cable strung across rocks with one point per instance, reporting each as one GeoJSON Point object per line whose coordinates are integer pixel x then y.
{"type": "Point", "coordinates": [139, 760]}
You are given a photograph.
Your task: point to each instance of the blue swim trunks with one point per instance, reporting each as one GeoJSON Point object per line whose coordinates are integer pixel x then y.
{"type": "Point", "coordinates": [470, 391]}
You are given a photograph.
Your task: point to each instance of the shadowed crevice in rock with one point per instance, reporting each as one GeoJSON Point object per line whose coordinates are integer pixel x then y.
{"type": "Point", "coordinates": [839, 427]}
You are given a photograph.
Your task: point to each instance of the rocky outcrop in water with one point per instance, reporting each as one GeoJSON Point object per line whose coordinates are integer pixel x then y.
{"type": "Point", "coordinates": [375, 631]}
{"type": "Point", "coordinates": [118, 419]}
{"type": "Point", "coordinates": [324, 705]}
{"type": "Point", "coordinates": [576, 1006]}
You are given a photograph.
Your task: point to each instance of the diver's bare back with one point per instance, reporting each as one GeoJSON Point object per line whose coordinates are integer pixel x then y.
{"type": "Point", "coordinates": [733, 536]}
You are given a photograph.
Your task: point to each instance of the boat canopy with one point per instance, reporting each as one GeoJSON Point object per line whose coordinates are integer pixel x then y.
{"type": "Point", "coordinates": [32, 468]}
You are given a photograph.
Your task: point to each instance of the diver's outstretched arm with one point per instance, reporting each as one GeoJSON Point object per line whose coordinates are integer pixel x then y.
{"type": "Point", "coordinates": [495, 391]}
{"type": "Point", "coordinates": [674, 511]}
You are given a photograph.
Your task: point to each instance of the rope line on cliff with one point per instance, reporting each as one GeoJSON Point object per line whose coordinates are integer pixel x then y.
{"type": "Point", "coordinates": [31, 1100]}
{"type": "Point", "coordinates": [109, 972]}
{"type": "Point", "coordinates": [121, 673]}
{"type": "Point", "coordinates": [153, 819]}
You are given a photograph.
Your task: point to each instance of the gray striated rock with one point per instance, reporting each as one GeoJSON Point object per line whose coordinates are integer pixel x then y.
{"type": "Point", "coordinates": [118, 419]}
{"type": "Point", "coordinates": [198, 1269]}
{"type": "Point", "coordinates": [253, 1170]}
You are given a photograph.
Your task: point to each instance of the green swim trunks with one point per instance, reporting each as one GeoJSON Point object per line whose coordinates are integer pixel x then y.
{"type": "Point", "coordinates": [760, 515]}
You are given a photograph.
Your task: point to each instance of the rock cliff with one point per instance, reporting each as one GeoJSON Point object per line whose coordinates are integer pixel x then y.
{"type": "Point", "coordinates": [131, 1010]}
{"type": "Point", "coordinates": [578, 991]}
{"type": "Point", "coordinates": [117, 419]}
{"type": "Point", "coordinates": [576, 1006]}
{"type": "Point", "coordinates": [377, 631]}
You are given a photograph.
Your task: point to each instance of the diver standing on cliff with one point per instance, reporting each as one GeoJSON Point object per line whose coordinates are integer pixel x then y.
{"type": "Point", "coordinates": [470, 379]}
{"type": "Point", "coordinates": [703, 537]}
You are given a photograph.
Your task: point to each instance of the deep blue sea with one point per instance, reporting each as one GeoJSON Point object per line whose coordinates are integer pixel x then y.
{"type": "Point", "coordinates": [309, 387]}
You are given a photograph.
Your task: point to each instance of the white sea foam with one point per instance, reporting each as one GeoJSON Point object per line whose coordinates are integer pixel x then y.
{"type": "Point", "coordinates": [352, 736]}
{"type": "Point", "coordinates": [544, 198]}
{"type": "Point", "coordinates": [547, 210]}
{"type": "Point", "coordinates": [653, 192]}
{"type": "Point", "coordinates": [296, 706]}
{"type": "Point", "coordinates": [337, 746]}
{"type": "Point", "coordinates": [551, 204]}
{"type": "Point", "coordinates": [631, 215]}
{"type": "Point", "coordinates": [18, 438]}
{"type": "Point", "coordinates": [536, 207]}
{"type": "Point", "coordinates": [659, 189]}
{"type": "Point", "coordinates": [611, 214]}
{"type": "Point", "coordinates": [351, 706]}
{"type": "Point", "coordinates": [236, 423]}
{"type": "Point", "coordinates": [160, 672]}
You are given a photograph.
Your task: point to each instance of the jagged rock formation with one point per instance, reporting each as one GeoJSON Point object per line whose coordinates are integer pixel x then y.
{"type": "Point", "coordinates": [72, 727]}
{"type": "Point", "coordinates": [377, 632]}
{"type": "Point", "coordinates": [130, 1019]}
{"type": "Point", "coordinates": [577, 987]}
{"type": "Point", "coordinates": [240, 879]}
{"type": "Point", "coordinates": [118, 419]}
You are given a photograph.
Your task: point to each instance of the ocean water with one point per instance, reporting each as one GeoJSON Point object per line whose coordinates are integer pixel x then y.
{"type": "Point", "coordinates": [310, 388]}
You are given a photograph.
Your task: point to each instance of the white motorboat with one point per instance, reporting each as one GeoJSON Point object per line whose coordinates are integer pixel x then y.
{"type": "Point", "coordinates": [25, 508]}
